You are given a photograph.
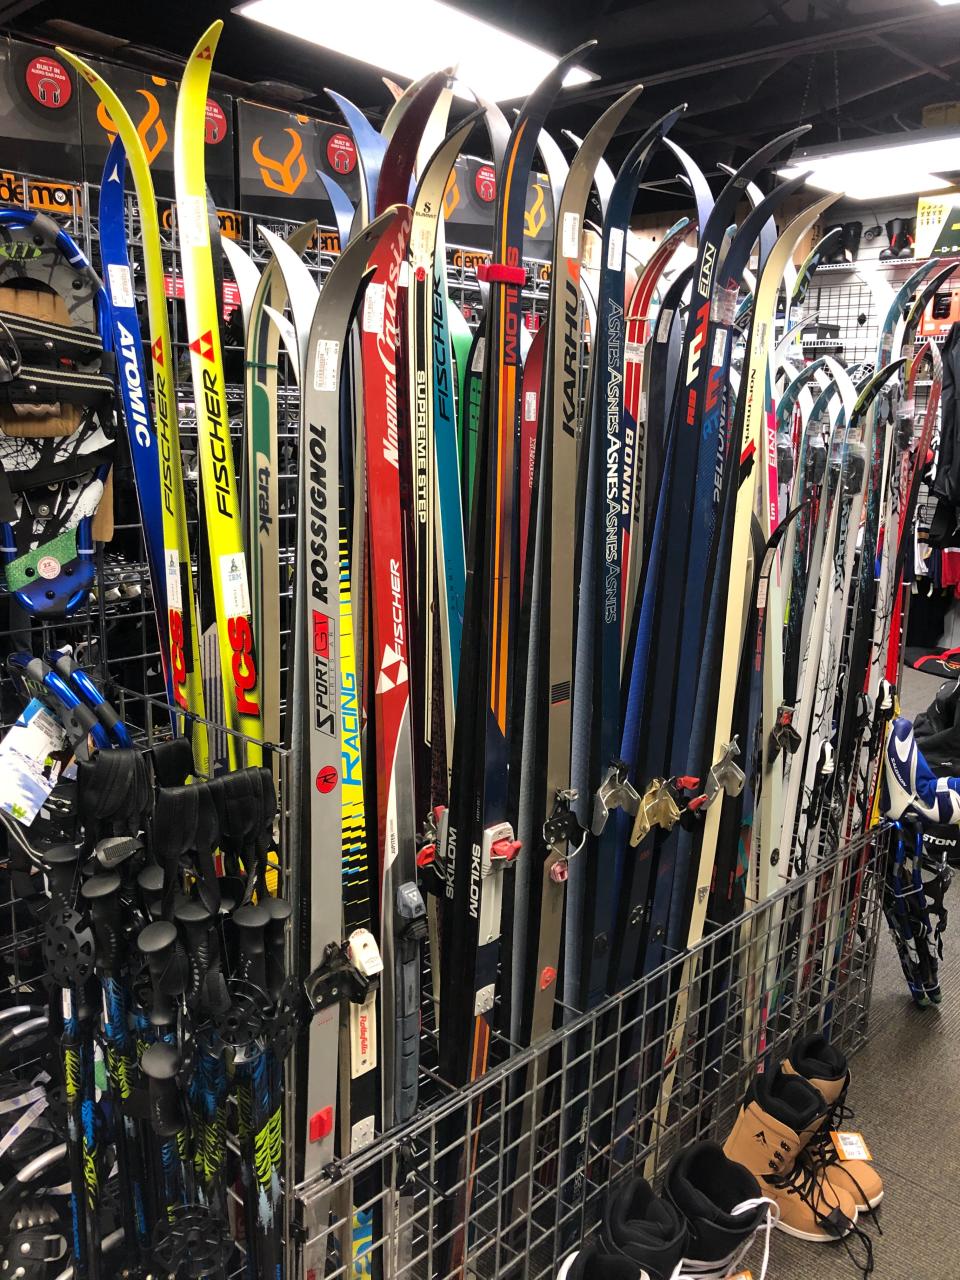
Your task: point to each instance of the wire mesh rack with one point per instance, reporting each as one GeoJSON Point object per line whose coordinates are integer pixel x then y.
{"type": "Point", "coordinates": [504, 1177]}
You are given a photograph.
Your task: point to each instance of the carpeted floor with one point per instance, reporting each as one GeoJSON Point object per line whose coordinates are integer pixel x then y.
{"type": "Point", "coordinates": [906, 1092]}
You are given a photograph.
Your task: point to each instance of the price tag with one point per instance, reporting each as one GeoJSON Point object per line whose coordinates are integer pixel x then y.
{"type": "Point", "coordinates": [615, 249]}
{"type": "Point", "coordinates": [850, 1145]}
{"type": "Point", "coordinates": [374, 302]}
{"type": "Point", "coordinates": [570, 235]}
{"type": "Point", "coordinates": [325, 365]}
{"type": "Point", "coordinates": [719, 347]}
{"type": "Point", "coordinates": [633, 352]}
{"type": "Point", "coordinates": [233, 583]}
{"type": "Point", "coordinates": [663, 324]}
{"type": "Point", "coordinates": [174, 593]}
{"type": "Point", "coordinates": [530, 406]}
{"type": "Point", "coordinates": [121, 286]}
{"type": "Point", "coordinates": [192, 222]}
{"type": "Point", "coordinates": [28, 771]}
{"type": "Point", "coordinates": [477, 366]}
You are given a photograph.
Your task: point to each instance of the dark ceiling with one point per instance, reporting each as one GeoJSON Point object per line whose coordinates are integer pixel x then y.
{"type": "Point", "coordinates": [747, 68]}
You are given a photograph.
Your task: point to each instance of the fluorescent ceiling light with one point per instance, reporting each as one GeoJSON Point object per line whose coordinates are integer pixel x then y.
{"type": "Point", "coordinates": [902, 164]}
{"type": "Point", "coordinates": [415, 38]}
{"type": "Point", "coordinates": [945, 2]}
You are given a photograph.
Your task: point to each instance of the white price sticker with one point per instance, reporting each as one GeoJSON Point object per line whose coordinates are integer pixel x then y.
{"type": "Point", "coordinates": [325, 365]}
{"type": "Point", "coordinates": [374, 304]}
{"type": "Point", "coordinates": [570, 235]}
{"type": "Point", "coordinates": [615, 249]}
{"type": "Point", "coordinates": [403, 279]}
{"type": "Point", "coordinates": [174, 593]}
{"type": "Point", "coordinates": [591, 250]}
{"type": "Point", "coordinates": [663, 324]}
{"type": "Point", "coordinates": [530, 406]}
{"type": "Point", "coordinates": [477, 366]}
{"type": "Point", "coordinates": [633, 352]}
{"type": "Point", "coordinates": [121, 285]}
{"type": "Point", "coordinates": [850, 1145]}
{"type": "Point", "coordinates": [719, 347]}
{"type": "Point", "coordinates": [233, 584]}
{"type": "Point", "coordinates": [192, 222]}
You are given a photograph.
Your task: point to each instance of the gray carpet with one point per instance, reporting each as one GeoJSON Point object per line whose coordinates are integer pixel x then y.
{"type": "Point", "coordinates": [906, 1092]}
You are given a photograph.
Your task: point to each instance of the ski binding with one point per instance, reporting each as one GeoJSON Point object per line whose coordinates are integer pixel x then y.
{"type": "Point", "coordinates": [499, 850]}
{"type": "Point", "coordinates": [615, 792]}
{"type": "Point", "coordinates": [658, 807]}
{"type": "Point", "coordinates": [725, 775]}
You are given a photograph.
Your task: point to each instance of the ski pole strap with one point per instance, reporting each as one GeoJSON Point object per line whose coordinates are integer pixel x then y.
{"type": "Point", "coordinates": [501, 273]}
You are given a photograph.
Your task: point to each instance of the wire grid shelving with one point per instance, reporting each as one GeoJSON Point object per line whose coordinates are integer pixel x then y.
{"type": "Point", "coordinates": [505, 1177]}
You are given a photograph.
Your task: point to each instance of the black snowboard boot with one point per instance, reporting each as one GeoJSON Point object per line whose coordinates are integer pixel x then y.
{"type": "Point", "coordinates": [644, 1228]}
{"type": "Point", "coordinates": [591, 1263]}
{"type": "Point", "coordinates": [850, 240]}
{"type": "Point", "coordinates": [899, 244]}
{"type": "Point", "coordinates": [724, 1209]}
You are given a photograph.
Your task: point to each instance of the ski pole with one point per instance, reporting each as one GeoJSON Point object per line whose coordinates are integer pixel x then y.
{"type": "Point", "coordinates": [252, 1061]}
{"type": "Point", "coordinates": [102, 893]}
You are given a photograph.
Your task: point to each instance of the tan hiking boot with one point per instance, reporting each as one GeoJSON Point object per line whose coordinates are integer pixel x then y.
{"type": "Point", "coordinates": [767, 1137]}
{"type": "Point", "coordinates": [825, 1067]}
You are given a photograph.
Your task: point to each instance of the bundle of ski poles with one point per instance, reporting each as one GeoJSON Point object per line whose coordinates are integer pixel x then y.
{"type": "Point", "coordinates": [145, 1046]}
{"type": "Point", "coordinates": [590, 642]}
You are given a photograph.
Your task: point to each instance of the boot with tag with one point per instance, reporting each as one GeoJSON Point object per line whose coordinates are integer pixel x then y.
{"type": "Point", "coordinates": [770, 1137]}
{"type": "Point", "coordinates": [825, 1067]}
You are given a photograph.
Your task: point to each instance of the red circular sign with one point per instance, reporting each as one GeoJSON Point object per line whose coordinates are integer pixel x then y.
{"type": "Point", "coordinates": [215, 127]}
{"type": "Point", "coordinates": [48, 82]}
{"type": "Point", "coordinates": [326, 779]}
{"type": "Point", "coordinates": [485, 182]}
{"type": "Point", "coordinates": [341, 153]}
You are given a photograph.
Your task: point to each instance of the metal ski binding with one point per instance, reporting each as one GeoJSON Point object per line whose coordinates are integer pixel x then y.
{"type": "Point", "coordinates": [725, 775]}
{"type": "Point", "coordinates": [615, 792]}
{"type": "Point", "coordinates": [562, 827]}
{"type": "Point", "coordinates": [783, 736]}
{"type": "Point", "coordinates": [658, 808]}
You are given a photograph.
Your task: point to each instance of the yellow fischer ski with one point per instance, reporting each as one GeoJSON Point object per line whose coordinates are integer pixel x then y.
{"type": "Point", "coordinates": [181, 599]}
{"type": "Point", "coordinates": [231, 592]}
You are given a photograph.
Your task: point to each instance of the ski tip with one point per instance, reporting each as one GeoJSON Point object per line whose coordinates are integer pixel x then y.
{"type": "Point", "coordinates": [206, 46]}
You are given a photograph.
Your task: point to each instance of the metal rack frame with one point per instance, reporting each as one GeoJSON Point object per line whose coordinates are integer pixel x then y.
{"type": "Point", "coordinates": [470, 1187]}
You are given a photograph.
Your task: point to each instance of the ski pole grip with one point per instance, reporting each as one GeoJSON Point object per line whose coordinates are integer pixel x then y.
{"type": "Point", "coordinates": [250, 922]}
{"type": "Point", "coordinates": [158, 943]}
{"type": "Point", "coordinates": [195, 920]}
{"type": "Point", "coordinates": [275, 940]}
{"type": "Point", "coordinates": [102, 893]}
{"type": "Point", "coordinates": [150, 883]}
{"type": "Point", "coordinates": [61, 868]}
{"type": "Point", "coordinates": [160, 1063]}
